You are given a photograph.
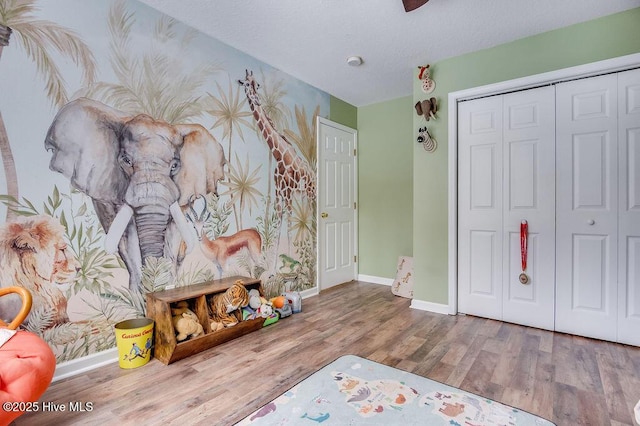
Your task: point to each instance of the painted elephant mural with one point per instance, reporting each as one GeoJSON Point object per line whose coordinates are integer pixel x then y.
{"type": "Point", "coordinates": [139, 172]}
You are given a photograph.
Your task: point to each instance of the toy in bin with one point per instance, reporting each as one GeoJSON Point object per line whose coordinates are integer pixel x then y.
{"type": "Point", "coordinates": [285, 310]}
{"type": "Point", "coordinates": [294, 299]}
{"type": "Point", "coordinates": [281, 306]}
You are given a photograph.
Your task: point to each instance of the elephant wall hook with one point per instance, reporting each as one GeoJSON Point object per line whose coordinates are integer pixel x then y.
{"type": "Point", "coordinates": [427, 108]}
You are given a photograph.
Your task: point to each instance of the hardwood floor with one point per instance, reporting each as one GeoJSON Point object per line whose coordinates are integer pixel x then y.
{"type": "Point", "coordinates": [567, 379]}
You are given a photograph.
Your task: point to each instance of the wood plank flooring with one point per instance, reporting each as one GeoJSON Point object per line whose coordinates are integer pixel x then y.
{"type": "Point", "coordinates": [567, 379]}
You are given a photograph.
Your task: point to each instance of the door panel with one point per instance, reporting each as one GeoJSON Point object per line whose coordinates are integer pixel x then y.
{"type": "Point", "coordinates": [330, 236]}
{"type": "Point", "coordinates": [336, 204]}
{"type": "Point", "coordinates": [483, 179]}
{"type": "Point", "coordinates": [523, 174]}
{"type": "Point", "coordinates": [629, 210]}
{"type": "Point", "coordinates": [590, 287]}
{"type": "Point", "coordinates": [480, 207]}
{"type": "Point", "coordinates": [529, 174]}
{"type": "Point", "coordinates": [484, 275]}
{"type": "Point", "coordinates": [591, 182]}
{"type": "Point", "coordinates": [587, 204]}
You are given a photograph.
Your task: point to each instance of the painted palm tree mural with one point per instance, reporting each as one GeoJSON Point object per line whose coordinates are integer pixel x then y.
{"type": "Point", "coordinates": [305, 141]}
{"type": "Point", "coordinates": [229, 111]}
{"type": "Point", "coordinates": [161, 108]}
{"type": "Point", "coordinates": [242, 186]}
{"type": "Point", "coordinates": [155, 82]}
{"type": "Point", "coordinates": [37, 38]}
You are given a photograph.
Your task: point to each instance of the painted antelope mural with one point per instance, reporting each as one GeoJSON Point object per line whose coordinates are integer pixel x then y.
{"type": "Point", "coordinates": [221, 248]}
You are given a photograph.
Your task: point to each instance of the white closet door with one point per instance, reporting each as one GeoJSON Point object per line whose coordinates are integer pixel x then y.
{"type": "Point", "coordinates": [587, 204]}
{"type": "Point", "coordinates": [629, 210]}
{"type": "Point", "coordinates": [529, 181]}
{"type": "Point", "coordinates": [480, 232]}
{"type": "Point", "coordinates": [506, 175]}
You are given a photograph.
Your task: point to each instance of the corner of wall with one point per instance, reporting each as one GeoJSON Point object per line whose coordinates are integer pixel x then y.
{"type": "Point", "coordinates": [343, 113]}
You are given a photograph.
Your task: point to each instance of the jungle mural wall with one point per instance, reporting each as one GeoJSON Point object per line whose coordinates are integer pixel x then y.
{"type": "Point", "coordinates": [139, 154]}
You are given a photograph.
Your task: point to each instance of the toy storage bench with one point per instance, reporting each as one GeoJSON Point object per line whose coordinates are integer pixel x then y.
{"type": "Point", "coordinates": [167, 348]}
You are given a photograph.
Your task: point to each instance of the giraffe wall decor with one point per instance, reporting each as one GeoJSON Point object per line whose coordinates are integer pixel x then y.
{"type": "Point", "coordinates": [292, 173]}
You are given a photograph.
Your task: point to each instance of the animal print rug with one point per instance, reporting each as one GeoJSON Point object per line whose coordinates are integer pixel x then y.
{"type": "Point", "coordinates": [356, 391]}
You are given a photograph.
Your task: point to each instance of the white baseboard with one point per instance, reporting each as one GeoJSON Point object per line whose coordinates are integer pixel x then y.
{"type": "Point", "coordinates": [84, 364]}
{"type": "Point", "coordinates": [309, 292]}
{"type": "Point", "coordinates": [375, 280]}
{"type": "Point", "coordinates": [423, 305]}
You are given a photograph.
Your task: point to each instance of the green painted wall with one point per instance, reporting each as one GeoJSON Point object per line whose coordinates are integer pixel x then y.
{"type": "Point", "coordinates": [603, 38]}
{"type": "Point", "coordinates": [385, 182]}
{"type": "Point", "coordinates": [343, 113]}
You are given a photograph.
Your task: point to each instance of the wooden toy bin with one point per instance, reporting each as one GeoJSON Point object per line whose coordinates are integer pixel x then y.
{"type": "Point", "coordinates": [167, 348]}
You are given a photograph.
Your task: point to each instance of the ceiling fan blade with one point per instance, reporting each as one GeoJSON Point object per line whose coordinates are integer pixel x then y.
{"type": "Point", "coordinates": [410, 5]}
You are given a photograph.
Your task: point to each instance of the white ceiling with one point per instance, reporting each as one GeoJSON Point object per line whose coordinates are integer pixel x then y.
{"type": "Point", "coordinates": [311, 39]}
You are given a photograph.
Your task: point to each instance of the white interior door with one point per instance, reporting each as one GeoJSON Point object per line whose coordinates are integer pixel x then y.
{"type": "Point", "coordinates": [337, 196]}
{"type": "Point", "coordinates": [480, 233]}
{"type": "Point", "coordinates": [529, 179]}
{"type": "Point", "coordinates": [587, 207]}
{"type": "Point", "coordinates": [629, 207]}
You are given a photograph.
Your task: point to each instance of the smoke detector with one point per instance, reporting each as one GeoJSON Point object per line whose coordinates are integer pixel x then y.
{"type": "Point", "coordinates": [354, 61]}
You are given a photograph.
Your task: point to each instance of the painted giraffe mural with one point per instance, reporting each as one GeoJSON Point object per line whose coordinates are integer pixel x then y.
{"type": "Point", "coordinates": [292, 173]}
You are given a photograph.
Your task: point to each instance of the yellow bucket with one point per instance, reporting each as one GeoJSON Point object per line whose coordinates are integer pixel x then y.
{"type": "Point", "coordinates": [134, 339]}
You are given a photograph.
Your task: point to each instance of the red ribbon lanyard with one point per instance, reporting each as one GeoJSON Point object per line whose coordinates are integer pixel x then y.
{"type": "Point", "coordinates": [524, 230]}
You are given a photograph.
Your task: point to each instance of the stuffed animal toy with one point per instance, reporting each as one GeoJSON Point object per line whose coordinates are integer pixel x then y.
{"type": "Point", "coordinates": [278, 302]}
{"type": "Point", "coordinates": [185, 322]}
{"type": "Point", "coordinates": [265, 310]}
{"type": "Point", "coordinates": [248, 313]}
{"type": "Point", "coordinates": [254, 299]}
{"type": "Point", "coordinates": [224, 307]}
{"type": "Point", "coordinates": [179, 308]}
{"type": "Point", "coordinates": [215, 326]}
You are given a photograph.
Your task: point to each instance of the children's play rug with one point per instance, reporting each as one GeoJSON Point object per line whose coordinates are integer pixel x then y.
{"type": "Point", "coordinates": [356, 391]}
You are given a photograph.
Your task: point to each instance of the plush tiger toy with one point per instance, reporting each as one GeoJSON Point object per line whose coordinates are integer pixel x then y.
{"type": "Point", "coordinates": [223, 307]}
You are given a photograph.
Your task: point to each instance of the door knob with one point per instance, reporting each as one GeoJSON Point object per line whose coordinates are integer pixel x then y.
{"type": "Point", "coordinates": [591, 222]}
{"type": "Point", "coordinates": [324, 215]}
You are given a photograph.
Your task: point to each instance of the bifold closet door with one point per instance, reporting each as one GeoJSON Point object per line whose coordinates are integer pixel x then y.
{"type": "Point", "coordinates": [528, 182]}
{"type": "Point", "coordinates": [629, 212]}
{"type": "Point", "coordinates": [587, 207]}
{"type": "Point", "coordinates": [506, 164]}
{"type": "Point", "coordinates": [480, 230]}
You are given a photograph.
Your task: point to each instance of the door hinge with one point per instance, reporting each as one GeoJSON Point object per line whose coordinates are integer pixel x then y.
{"type": "Point", "coordinates": [355, 206]}
{"type": "Point", "coordinates": [355, 259]}
{"type": "Point", "coordinates": [354, 152]}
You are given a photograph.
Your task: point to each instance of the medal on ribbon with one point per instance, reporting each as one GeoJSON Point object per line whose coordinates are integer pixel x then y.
{"type": "Point", "coordinates": [524, 232]}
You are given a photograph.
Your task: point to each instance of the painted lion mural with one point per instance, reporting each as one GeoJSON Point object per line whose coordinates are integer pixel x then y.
{"type": "Point", "coordinates": [35, 255]}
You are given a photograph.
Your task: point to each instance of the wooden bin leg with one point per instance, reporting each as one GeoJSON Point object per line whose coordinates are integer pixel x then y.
{"type": "Point", "coordinates": [164, 336]}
